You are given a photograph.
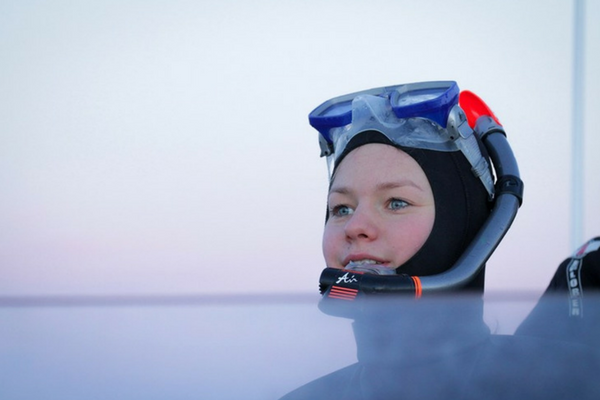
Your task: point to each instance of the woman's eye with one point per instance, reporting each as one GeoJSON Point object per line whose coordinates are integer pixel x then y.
{"type": "Point", "coordinates": [397, 204]}
{"type": "Point", "coordinates": [341, 211]}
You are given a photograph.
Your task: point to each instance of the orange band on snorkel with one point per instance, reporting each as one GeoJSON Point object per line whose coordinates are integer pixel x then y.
{"type": "Point", "coordinates": [418, 287]}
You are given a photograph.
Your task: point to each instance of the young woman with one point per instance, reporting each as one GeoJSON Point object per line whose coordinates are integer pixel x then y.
{"type": "Point", "coordinates": [413, 210]}
{"type": "Point", "coordinates": [416, 142]}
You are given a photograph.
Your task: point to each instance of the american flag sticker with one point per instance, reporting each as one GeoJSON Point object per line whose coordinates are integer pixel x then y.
{"type": "Point", "coordinates": [342, 293]}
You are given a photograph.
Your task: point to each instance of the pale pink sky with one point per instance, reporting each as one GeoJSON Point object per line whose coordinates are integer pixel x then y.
{"type": "Point", "coordinates": [164, 147]}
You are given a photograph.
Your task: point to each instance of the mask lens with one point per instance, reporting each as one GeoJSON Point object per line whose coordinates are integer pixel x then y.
{"type": "Point", "coordinates": [336, 112]}
{"type": "Point", "coordinates": [417, 96]}
{"type": "Point", "coordinates": [432, 100]}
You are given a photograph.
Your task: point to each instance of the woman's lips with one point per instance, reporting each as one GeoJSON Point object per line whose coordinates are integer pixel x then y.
{"type": "Point", "coordinates": [364, 259]}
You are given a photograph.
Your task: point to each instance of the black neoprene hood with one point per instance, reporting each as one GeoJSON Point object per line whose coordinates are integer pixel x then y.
{"type": "Point", "coordinates": [461, 207]}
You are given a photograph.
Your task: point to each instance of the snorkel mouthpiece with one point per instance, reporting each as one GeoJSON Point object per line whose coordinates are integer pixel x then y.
{"type": "Point", "coordinates": [344, 290]}
{"type": "Point", "coordinates": [376, 269]}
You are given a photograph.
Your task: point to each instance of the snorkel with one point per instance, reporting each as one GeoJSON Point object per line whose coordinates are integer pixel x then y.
{"type": "Point", "coordinates": [431, 116]}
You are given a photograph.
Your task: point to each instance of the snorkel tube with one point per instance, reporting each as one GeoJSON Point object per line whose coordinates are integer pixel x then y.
{"type": "Point", "coordinates": [348, 285]}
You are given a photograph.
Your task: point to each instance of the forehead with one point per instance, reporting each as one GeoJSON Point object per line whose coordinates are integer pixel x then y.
{"type": "Point", "coordinates": [376, 162]}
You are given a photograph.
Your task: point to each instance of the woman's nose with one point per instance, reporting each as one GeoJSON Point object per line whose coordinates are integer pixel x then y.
{"type": "Point", "coordinates": [361, 226]}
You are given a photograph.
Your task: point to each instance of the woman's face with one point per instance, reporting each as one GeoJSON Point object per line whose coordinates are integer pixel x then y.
{"type": "Point", "coordinates": [381, 208]}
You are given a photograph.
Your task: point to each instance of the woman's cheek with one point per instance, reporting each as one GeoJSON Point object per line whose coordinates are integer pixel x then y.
{"type": "Point", "coordinates": [330, 246]}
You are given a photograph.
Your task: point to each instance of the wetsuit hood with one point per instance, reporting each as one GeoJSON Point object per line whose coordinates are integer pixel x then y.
{"type": "Point", "coordinates": [461, 207]}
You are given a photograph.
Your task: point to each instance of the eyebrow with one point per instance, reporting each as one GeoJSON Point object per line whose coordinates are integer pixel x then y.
{"type": "Point", "coordinates": [380, 187]}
